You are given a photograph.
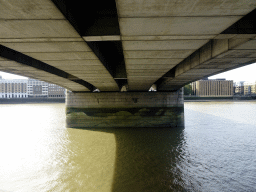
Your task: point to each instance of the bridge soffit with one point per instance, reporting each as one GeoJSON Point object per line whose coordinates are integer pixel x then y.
{"type": "Point", "coordinates": [233, 48]}
{"type": "Point", "coordinates": [126, 43]}
{"type": "Point", "coordinates": [47, 45]}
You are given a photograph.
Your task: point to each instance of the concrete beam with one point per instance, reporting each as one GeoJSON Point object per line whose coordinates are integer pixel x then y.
{"type": "Point", "coordinates": [42, 47]}
{"type": "Point", "coordinates": [152, 61]}
{"type": "Point", "coordinates": [214, 57]}
{"type": "Point", "coordinates": [156, 54]}
{"type": "Point", "coordinates": [164, 37]}
{"type": "Point", "coordinates": [166, 8]}
{"type": "Point", "coordinates": [172, 25]}
{"type": "Point", "coordinates": [163, 45]}
{"type": "Point", "coordinates": [36, 28]}
{"type": "Point", "coordinates": [44, 68]}
{"type": "Point", "coordinates": [32, 9]}
{"type": "Point", "coordinates": [19, 69]}
{"type": "Point", "coordinates": [103, 38]}
{"type": "Point", "coordinates": [64, 56]}
{"type": "Point", "coordinates": [149, 67]}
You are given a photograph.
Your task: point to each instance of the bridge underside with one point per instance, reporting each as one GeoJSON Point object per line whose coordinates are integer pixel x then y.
{"type": "Point", "coordinates": [123, 45]}
{"type": "Point", "coordinates": [106, 45]}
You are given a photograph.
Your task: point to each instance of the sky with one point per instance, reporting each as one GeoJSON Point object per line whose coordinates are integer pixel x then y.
{"type": "Point", "coordinates": [246, 73]}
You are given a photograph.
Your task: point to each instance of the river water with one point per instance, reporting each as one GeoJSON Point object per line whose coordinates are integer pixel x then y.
{"type": "Point", "coordinates": [215, 151]}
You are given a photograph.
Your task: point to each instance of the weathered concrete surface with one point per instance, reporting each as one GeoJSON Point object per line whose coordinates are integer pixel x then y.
{"type": "Point", "coordinates": [24, 9]}
{"type": "Point", "coordinates": [64, 56]}
{"type": "Point", "coordinates": [161, 8]}
{"type": "Point", "coordinates": [165, 37]}
{"type": "Point", "coordinates": [176, 25]}
{"type": "Point", "coordinates": [103, 38]}
{"type": "Point", "coordinates": [42, 47]}
{"type": "Point", "coordinates": [164, 45]}
{"type": "Point", "coordinates": [38, 29]}
{"type": "Point", "coordinates": [119, 110]}
{"type": "Point", "coordinates": [216, 56]}
{"type": "Point", "coordinates": [164, 42]}
{"type": "Point", "coordinates": [19, 69]}
{"type": "Point", "coordinates": [174, 30]}
{"type": "Point", "coordinates": [156, 54]}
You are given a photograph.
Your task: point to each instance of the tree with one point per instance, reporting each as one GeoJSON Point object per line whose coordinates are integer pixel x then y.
{"type": "Point", "coordinates": [188, 89]}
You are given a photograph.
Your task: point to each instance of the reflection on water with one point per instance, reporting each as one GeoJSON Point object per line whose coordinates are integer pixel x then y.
{"type": "Point", "coordinates": [146, 160]}
{"type": "Point", "coordinates": [214, 152]}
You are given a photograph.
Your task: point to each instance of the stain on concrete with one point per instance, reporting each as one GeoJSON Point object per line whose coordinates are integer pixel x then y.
{"type": "Point", "coordinates": [125, 117]}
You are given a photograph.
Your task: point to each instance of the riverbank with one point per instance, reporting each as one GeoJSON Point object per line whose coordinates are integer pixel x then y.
{"type": "Point", "coordinates": [218, 99]}
{"type": "Point", "coordinates": [31, 100]}
{"type": "Point", "coordinates": [187, 101]}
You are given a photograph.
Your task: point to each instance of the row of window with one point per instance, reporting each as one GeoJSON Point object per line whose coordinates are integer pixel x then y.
{"type": "Point", "coordinates": [56, 95]}
{"type": "Point", "coordinates": [14, 96]}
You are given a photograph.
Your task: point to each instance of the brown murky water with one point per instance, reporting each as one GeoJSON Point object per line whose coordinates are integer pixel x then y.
{"type": "Point", "coordinates": [215, 151]}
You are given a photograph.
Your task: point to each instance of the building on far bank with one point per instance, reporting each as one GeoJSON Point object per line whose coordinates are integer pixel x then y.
{"type": "Point", "coordinates": [56, 91]}
{"type": "Point", "coordinates": [37, 88]}
{"type": "Point", "coordinates": [249, 88]}
{"type": "Point", "coordinates": [13, 88]}
{"type": "Point", "coordinates": [213, 88]}
{"type": "Point", "coordinates": [29, 88]}
{"type": "Point", "coordinates": [239, 88]}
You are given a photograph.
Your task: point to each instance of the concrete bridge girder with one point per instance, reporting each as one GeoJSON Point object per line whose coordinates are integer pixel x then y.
{"type": "Point", "coordinates": [165, 29]}
{"type": "Point", "coordinates": [19, 69]}
{"type": "Point", "coordinates": [154, 42]}
{"type": "Point", "coordinates": [40, 31]}
{"type": "Point", "coordinates": [214, 57]}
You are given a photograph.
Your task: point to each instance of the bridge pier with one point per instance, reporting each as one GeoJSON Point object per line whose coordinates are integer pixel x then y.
{"type": "Point", "coordinates": [125, 109]}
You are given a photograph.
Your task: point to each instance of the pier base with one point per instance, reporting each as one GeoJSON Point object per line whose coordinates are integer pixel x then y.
{"type": "Point", "coordinates": [125, 109]}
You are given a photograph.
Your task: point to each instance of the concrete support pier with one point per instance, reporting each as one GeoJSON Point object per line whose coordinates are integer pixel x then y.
{"type": "Point", "coordinates": [125, 109]}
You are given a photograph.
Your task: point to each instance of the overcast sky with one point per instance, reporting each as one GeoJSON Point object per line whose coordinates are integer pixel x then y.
{"type": "Point", "coordinates": [246, 73]}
